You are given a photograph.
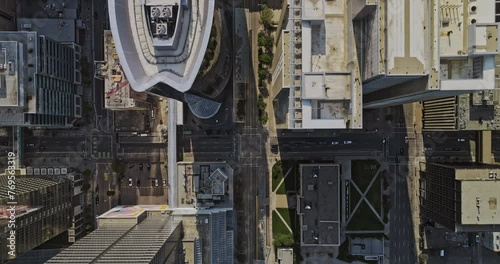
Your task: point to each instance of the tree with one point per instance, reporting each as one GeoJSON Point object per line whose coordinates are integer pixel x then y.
{"type": "Point", "coordinates": [422, 258]}
{"type": "Point", "coordinates": [266, 16]}
{"type": "Point", "coordinates": [265, 59]}
{"type": "Point", "coordinates": [265, 41]}
{"type": "Point", "coordinates": [86, 173]}
{"type": "Point", "coordinates": [262, 74]}
{"type": "Point", "coordinates": [117, 166]}
{"type": "Point", "coordinates": [283, 240]}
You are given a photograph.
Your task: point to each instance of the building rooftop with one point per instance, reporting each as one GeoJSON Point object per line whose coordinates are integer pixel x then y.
{"type": "Point", "coordinates": [9, 74]}
{"type": "Point", "coordinates": [58, 29]}
{"type": "Point", "coordinates": [161, 41]}
{"type": "Point", "coordinates": [366, 246]}
{"type": "Point", "coordinates": [204, 184]}
{"type": "Point", "coordinates": [285, 255]}
{"type": "Point", "coordinates": [121, 242]}
{"type": "Point", "coordinates": [323, 93]}
{"type": "Point", "coordinates": [131, 211]}
{"type": "Point", "coordinates": [319, 204]}
{"type": "Point", "coordinates": [480, 196]}
{"type": "Point", "coordinates": [117, 90]}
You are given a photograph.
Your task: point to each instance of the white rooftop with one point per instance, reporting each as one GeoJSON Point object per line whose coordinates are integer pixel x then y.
{"type": "Point", "coordinates": [328, 97]}
{"type": "Point", "coordinates": [146, 63]}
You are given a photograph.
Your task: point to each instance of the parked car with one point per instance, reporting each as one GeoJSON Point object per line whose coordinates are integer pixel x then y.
{"type": "Point", "coordinates": [406, 140]}
{"type": "Point", "coordinates": [274, 148]}
{"type": "Point", "coordinates": [140, 166]}
{"type": "Point", "coordinates": [461, 140]}
{"type": "Point", "coordinates": [31, 145]}
{"type": "Point", "coordinates": [335, 142]}
{"type": "Point", "coordinates": [148, 166]}
{"type": "Point", "coordinates": [478, 239]}
{"type": "Point", "coordinates": [347, 142]}
{"type": "Point", "coordinates": [164, 183]}
{"type": "Point", "coordinates": [156, 182]}
{"type": "Point", "coordinates": [129, 182]}
{"type": "Point", "coordinates": [97, 200]}
{"type": "Point", "coordinates": [322, 142]}
{"type": "Point", "coordinates": [131, 166]}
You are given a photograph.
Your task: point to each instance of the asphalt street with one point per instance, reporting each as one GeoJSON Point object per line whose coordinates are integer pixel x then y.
{"type": "Point", "coordinates": [459, 144]}
{"type": "Point", "coordinates": [65, 144]}
{"type": "Point", "coordinates": [211, 144]}
{"type": "Point", "coordinates": [401, 227]}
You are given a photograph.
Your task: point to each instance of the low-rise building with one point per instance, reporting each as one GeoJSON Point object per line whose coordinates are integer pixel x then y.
{"type": "Point", "coordinates": [318, 205]}
{"type": "Point", "coordinates": [205, 185]}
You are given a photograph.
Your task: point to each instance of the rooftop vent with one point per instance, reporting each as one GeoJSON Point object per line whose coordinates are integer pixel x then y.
{"type": "Point", "coordinates": [166, 12]}
{"type": "Point", "coordinates": [155, 12]}
{"type": "Point", "coordinates": [161, 29]}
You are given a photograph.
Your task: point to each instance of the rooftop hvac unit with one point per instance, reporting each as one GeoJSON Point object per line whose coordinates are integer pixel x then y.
{"type": "Point", "coordinates": [161, 29]}
{"type": "Point", "coordinates": [166, 11]}
{"type": "Point", "coordinates": [155, 12]}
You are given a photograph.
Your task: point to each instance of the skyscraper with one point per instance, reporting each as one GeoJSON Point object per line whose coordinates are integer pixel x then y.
{"type": "Point", "coordinates": [43, 211]}
{"type": "Point", "coordinates": [461, 196]}
{"type": "Point", "coordinates": [38, 78]}
{"type": "Point", "coordinates": [422, 50]}
{"type": "Point", "coordinates": [174, 49]}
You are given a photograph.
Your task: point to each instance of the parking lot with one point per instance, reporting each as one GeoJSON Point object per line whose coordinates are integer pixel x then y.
{"type": "Point", "coordinates": [144, 183]}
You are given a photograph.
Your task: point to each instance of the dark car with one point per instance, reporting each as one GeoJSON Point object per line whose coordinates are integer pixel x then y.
{"type": "Point", "coordinates": [138, 182]}
{"type": "Point", "coordinates": [97, 200]}
{"type": "Point", "coordinates": [140, 166]}
{"type": "Point", "coordinates": [402, 151]}
{"type": "Point", "coordinates": [274, 148]}
{"type": "Point", "coordinates": [148, 166]}
{"type": "Point", "coordinates": [131, 166]}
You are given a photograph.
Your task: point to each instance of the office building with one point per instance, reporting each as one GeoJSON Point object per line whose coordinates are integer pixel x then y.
{"type": "Point", "coordinates": [43, 211]}
{"type": "Point", "coordinates": [461, 196]}
{"type": "Point", "coordinates": [155, 234]}
{"type": "Point", "coordinates": [422, 50]}
{"type": "Point", "coordinates": [315, 82]}
{"type": "Point", "coordinates": [173, 48]}
{"type": "Point", "coordinates": [208, 234]}
{"type": "Point", "coordinates": [128, 234]}
{"type": "Point", "coordinates": [475, 111]}
{"type": "Point", "coordinates": [38, 79]}
{"type": "Point", "coordinates": [491, 241]}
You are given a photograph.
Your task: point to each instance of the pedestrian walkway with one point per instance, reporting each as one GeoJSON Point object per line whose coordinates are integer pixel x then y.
{"type": "Point", "coordinates": [283, 220]}
{"type": "Point", "coordinates": [281, 201]}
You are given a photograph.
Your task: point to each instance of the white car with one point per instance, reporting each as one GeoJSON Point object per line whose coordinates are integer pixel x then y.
{"type": "Point", "coordinates": [461, 140]}
{"type": "Point", "coordinates": [347, 142]}
{"type": "Point", "coordinates": [156, 182]}
{"type": "Point", "coordinates": [129, 182]}
{"type": "Point", "coordinates": [406, 140]}
{"type": "Point", "coordinates": [335, 143]}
